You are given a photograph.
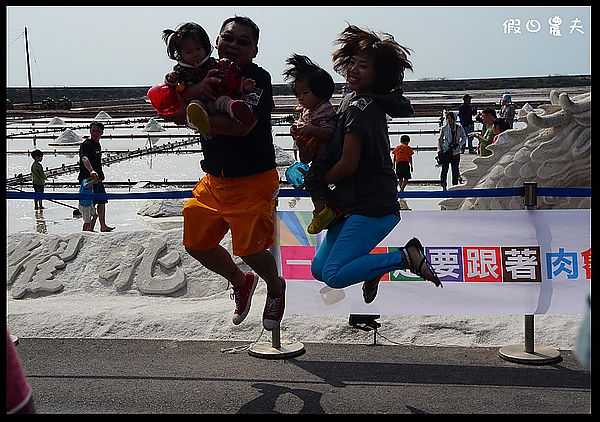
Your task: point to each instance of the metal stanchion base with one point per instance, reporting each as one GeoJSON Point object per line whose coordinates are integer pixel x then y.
{"type": "Point", "coordinates": [288, 349]}
{"type": "Point", "coordinates": [541, 355]}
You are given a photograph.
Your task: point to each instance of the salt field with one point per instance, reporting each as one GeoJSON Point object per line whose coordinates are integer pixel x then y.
{"type": "Point", "coordinates": [182, 164]}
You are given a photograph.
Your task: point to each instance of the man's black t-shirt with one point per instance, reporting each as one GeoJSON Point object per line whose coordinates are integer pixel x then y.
{"type": "Point", "coordinates": [240, 156]}
{"type": "Point", "coordinates": [93, 151]}
{"type": "Point", "coordinates": [465, 113]}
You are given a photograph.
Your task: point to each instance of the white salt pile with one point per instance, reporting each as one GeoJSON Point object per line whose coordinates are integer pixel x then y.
{"type": "Point", "coordinates": [153, 126]}
{"type": "Point", "coordinates": [164, 208]}
{"type": "Point", "coordinates": [56, 121]}
{"type": "Point", "coordinates": [103, 115]}
{"type": "Point", "coordinates": [67, 137]}
{"type": "Point", "coordinates": [282, 158]}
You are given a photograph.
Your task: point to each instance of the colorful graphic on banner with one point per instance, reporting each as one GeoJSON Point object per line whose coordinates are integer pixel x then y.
{"type": "Point", "coordinates": [292, 229]}
{"type": "Point", "coordinates": [490, 262]}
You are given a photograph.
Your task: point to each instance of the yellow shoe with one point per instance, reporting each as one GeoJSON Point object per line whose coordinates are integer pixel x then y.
{"type": "Point", "coordinates": [197, 118]}
{"type": "Point", "coordinates": [321, 220]}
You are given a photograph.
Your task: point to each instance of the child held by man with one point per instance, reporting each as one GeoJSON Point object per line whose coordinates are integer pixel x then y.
{"type": "Point", "coordinates": [190, 46]}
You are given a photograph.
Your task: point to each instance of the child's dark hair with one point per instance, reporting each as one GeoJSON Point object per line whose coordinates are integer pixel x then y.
{"type": "Point", "coordinates": [490, 111]}
{"type": "Point", "coordinates": [302, 68]}
{"type": "Point", "coordinates": [243, 20]}
{"type": "Point", "coordinates": [502, 124]}
{"type": "Point", "coordinates": [390, 58]}
{"type": "Point", "coordinates": [173, 38]}
{"type": "Point", "coordinates": [36, 153]}
{"type": "Point", "coordinates": [405, 139]}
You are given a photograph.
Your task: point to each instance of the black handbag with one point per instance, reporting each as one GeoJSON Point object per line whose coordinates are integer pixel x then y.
{"type": "Point", "coordinates": [444, 157]}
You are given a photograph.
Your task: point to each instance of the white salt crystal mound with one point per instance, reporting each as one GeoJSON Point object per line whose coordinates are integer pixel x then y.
{"type": "Point", "coordinates": [103, 115]}
{"type": "Point", "coordinates": [68, 137]}
{"type": "Point", "coordinates": [153, 126]}
{"type": "Point", "coordinates": [164, 208]}
{"type": "Point", "coordinates": [56, 121]}
{"type": "Point", "coordinates": [283, 158]}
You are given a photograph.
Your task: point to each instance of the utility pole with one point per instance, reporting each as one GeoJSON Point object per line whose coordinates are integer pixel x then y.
{"type": "Point", "coordinates": [28, 67]}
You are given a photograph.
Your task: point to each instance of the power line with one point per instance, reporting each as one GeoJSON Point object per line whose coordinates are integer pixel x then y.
{"type": "Point", "coordinates": [15, 40]}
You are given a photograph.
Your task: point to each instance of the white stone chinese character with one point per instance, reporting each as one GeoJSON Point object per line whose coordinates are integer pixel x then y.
{"type": "Point", "coordinates": [122, 267]}
{"type": "Point", "coordinates": [512, 25]}
{"type": "Point", "coordinates": [575, 26]}
{"type": "Point", "coordinates": [119, 267]}
{"type": "Point", "coordinates": [533, 25]}
{"type": "Point", "coordinates": [555, 23]}
{"type": "Point", "coordinates": [34, 273]}
{"type": "Point", "coordinates": [149, 283]}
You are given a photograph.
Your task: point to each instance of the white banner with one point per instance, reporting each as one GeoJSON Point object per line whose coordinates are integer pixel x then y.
{"type": "Point", "coordinates": [490, 262]}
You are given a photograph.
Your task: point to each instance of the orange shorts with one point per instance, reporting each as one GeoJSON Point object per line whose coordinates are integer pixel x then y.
{"type": "Point", "coordinates": [245, 205]}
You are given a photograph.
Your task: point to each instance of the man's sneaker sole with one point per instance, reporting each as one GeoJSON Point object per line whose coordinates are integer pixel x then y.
{"type": "Point", "coordinates": [238, 319]}
{"type": "Point", "coordinates": [197, 118]}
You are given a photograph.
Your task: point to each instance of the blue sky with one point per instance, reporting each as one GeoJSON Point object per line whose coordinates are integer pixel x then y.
{"type": "Point", "coordinates": [115, 46]}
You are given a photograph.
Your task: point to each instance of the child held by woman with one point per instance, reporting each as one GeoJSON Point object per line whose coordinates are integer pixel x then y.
{"type": "Point", "coordinates": [312, 132]}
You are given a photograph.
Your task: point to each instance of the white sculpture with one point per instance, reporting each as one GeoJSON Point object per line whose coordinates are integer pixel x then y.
{"type": "Point", "coordinates": [553, 150]}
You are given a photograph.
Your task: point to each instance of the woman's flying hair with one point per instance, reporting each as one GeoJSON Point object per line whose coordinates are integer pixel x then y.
{"type": "Point", "coordinates": [389, 57]}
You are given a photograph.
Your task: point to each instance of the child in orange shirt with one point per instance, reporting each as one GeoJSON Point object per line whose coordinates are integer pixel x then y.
{"type": "Point", "coordinates": [403, 161]}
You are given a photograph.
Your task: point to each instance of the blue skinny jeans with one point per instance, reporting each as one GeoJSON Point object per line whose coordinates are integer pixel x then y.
{"type": "Point", "coordinates": [344, 258]}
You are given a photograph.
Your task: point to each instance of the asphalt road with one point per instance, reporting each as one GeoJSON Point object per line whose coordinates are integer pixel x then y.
{"type": "Point", "coordinates": [71, 376]}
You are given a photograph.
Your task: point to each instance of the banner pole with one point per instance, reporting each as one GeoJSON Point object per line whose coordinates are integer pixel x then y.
{"type": "Point", "coordinates": [532, 355]}
{"type": "Point", "coordinates": [276, 349]}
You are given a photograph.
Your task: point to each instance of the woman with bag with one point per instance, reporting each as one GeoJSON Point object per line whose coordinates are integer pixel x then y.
{"type": "Point", "coordinates": [450, 142]}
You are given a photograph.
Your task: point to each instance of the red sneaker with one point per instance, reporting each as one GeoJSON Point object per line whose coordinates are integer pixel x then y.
{"type": "Point", "coordinates": [242, 112]}
{"type": "Point", "coordinates": [274, 308]}
{"type": "Point", "coordinates": [243, 297]}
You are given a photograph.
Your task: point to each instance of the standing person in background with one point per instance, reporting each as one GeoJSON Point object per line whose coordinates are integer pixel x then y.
{"type": "Point", "coordinates": [403, 161]}
{"type": "Point", "coordinates": [452, 138]}
{"type": "Point", "coordinates": [507, 111]}
{"type": "Point", "coordinates": [239, 189]}
{"type": "Point", "coordinates": [38, 177]}
{"type": "Point", "coordinates": [488, 117]}
{"type": "Point", "coordinates": [361, 167]}
{"type": "Point", "coordinates": [465, 114]}
{"type": "Point", "coordinates": [90, 166]}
